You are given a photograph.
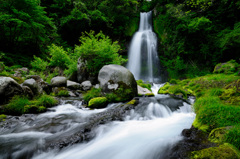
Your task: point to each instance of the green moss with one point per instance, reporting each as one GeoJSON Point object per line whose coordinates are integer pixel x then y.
{"type": "Point", "coordinates": [174, 81]}
{"type": "Point", "coordinates": [232, 136]}
{"type": "Point", "coordinates": [200, 126]}
{"type": "Point", "coordinates": [2, 117]}
{"type": "Point", "coordinates": [144, 85]}
{"type": "Point", "coordinates": [149, 95]}
{"type": "Point", "coordinates": [222, 152]}
{"type": "Point", "coordinates": [218, 135]}
{"type": "Point", "coordinates": [164, 89]}
{"type": "Point", "coordinates": [98, 102]}
{"type": "Point", "coordinates": [132, 102]}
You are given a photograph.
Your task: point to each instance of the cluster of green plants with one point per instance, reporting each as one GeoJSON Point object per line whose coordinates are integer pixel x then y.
{"type": "Point", "coordinates": [195, 35]}
{"type": "Point", "coordinates": [96, 50]}
{"type": "Point", "coordinates": [21, 105]}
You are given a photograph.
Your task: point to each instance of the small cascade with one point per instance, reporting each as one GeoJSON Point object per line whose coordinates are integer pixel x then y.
{"type": "Point", "coordinates": [143, 59]}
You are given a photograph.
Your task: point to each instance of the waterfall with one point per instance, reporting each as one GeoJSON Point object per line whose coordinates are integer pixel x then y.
{"type": "Point", "coordinates": [143, 59]}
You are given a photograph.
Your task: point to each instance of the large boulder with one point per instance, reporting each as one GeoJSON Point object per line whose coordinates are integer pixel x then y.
{"type": "Point", "coordinates": [59, 81]}
{"type": "Point", "coordinates": [82, 73]}
{"type": "Point", "coordinates": [118, 80]}
{"type": "Point", "coordinates": [33, 85]}
{"type": "Point", "coordinates": [8, 88]}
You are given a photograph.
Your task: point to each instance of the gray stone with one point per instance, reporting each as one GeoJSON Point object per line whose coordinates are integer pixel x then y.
{"type": "Point", "coordinates": [143, 91]}
{"type": "Point", "coordinates": [86, 85]}
{"type": "Point", "coordinates": [73, 85]}
{"type": "Point", "coordinates": [21, 71]}
{"type": "Point", "coordinates": [8, 88]}
{"type": "Point", "coordinates": [33, 85]}
{"type": "Point", "coordinates": [113, 77]}
{"type": "Point", "coordinates": [59, 81]}
{"type": "Point", "coordinates": [97, 86]}
{"type": "Point", "coordinates": [27, 92]}
{"type": "Point", "coordinates": [82, 73]}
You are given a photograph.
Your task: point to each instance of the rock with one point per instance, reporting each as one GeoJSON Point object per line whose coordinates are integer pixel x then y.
{"type": "Point", "coordinates": [2, 66]}
{"type": "Point", "coordinates": [44, 85]}
{"type": "Point", "coordinates": [59, 81]}
{"type": "Point", "coordinates": [227, 67]}
{"type": "Point", "coordinates": [86, 85]}
{"type": "Point", "coordinates": [60, 91]}
{"type": "Point", "coordinates": [71, 94]}
{"type": "Point", "coordinates": [8, 88]}
{"type": "Point", "coordinates": [27, 91]}
{"type": "Point", "coordinates": [33, 85]}
{"type": "Point", "coordinates": [172, 103]}
{"type": "Point", "coordinates": [73, 85]}
{"type": "Point", "coordinates": [142, 91]}
{"type": "Point", "coordinates": [97, 86]}
{"type": "Point", "coordinates": [98, 102]}
{"type": "Point", "coordinates": [118, 80]}
{"type": "Point", "coordinates": [21, 71]}
{"type": "Point", "coordinates": [82, 73]}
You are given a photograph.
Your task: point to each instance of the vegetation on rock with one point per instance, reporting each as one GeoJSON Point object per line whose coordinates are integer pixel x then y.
{"type": "Point", "coordinates": [98, 102]}
{"type": "Point", "coordinates": [144, 85]}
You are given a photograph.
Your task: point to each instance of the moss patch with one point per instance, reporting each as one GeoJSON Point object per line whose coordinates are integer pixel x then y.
{"type": "Point", "coordinates": [132, 102]}
{"type": "Point", "coordinates": [2, 117]}
{"type": "Point", "coordinates": [144, 85]}
{"type": "Point", "coordinates": [227, 68]}
{"type": "Point", "coordinates": [149, 95]}
{"type": "Point", "coordinates": [164, 89]}
{"type": "Point", "coordinates": [225, 151]}
{"type": "Point", "coordinates": [98, 102]}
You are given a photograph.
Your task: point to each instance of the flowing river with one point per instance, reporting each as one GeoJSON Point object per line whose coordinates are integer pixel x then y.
{"type": "Point", "coordinates": [147, 132]}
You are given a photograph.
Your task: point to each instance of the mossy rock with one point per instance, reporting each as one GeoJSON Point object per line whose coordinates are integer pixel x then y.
{"type": "Point", "coordinates": [2, 117]}
{"type": "Point", "coordinates": [98, 102]}
{"type": "Point", "coordinates": [225, 151]}
{"type": "Point", "coordinates": [164, 89]}
{"type": "Point", "coordinates": [144, 85]}
{"type": "Point", "coordinates": [217, 135]}
{"type": "Point", "coordinates": [200, 126]}
{"type": "Point", "coordinates": [149, 95]}
{"type": "Point", "coordinates": [132, 102]}
{"type": "Point", "coordinates": [227, 68]}
{"type": "Point", "coordinates": [33, 109]}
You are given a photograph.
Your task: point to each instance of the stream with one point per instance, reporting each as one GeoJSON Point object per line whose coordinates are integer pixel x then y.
{"type": "Point", "coordinates": [148, 131]}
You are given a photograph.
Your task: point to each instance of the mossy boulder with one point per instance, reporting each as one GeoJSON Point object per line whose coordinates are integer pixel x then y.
{"type": "Point", "coordinates": [149, 95]}
{"type": "Point", "coordinates": [98, 102]}
{"type": "Point", "coordinates": [119, 81]}
{"type": "Point", "coordinates": [227, 67]}
{"type": "Point", "coordinates": [2, 117]}
{"type": "Point", "coordinates": [225, 151]}
{"type": "Point", "coordinates": [164, 89]}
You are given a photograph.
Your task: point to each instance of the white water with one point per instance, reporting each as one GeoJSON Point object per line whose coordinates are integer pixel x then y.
{"type": "Point", "coordinates": [143, 59]}
{"type": "Point", "coordinates": [148, 134]}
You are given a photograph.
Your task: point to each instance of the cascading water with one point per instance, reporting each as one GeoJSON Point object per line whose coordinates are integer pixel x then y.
{"type": "Point", "coordinates": [143, 59]}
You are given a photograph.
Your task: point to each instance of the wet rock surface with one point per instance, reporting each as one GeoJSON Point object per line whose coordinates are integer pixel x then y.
{"type": "Point", "coordinates": [193, 140]}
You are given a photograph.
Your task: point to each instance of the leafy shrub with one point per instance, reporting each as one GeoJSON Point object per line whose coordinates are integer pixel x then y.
{"type": "Point", "coordinates": [98, 50]}
{"type": "Point", "coordinates": [92, 93]}
{"type": "Point", "coordinates": [59, 57]}
{"type": "Point", "coordinates": [144, 85]}
{"type": "Point", "coordinates": [38, 64]}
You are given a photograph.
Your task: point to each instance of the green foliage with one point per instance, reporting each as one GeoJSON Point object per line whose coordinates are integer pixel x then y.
{"type": "Point", "coordinates": [144, 85]}
{"type": "Point", "coordinates": [92, 93]}
{"type": "Point", "coordinates": [63, 93]}
{"type": "Point", "coordinates": [46, 101]}
{"type": "Point", "coordinates": [16, 105]}
{"type": "Point", "coordinates": [98, 50]}
{"type": "Point", "coordinates": [39, 64]}
{"type": "Point", "coordinates": [173, 81]}
{"type": "Point", "coordinates": [228, 68]}
{"type": "Point", "coordinates": [98, 102]}
{"type": "Point", "coordinates": [59, 57]}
